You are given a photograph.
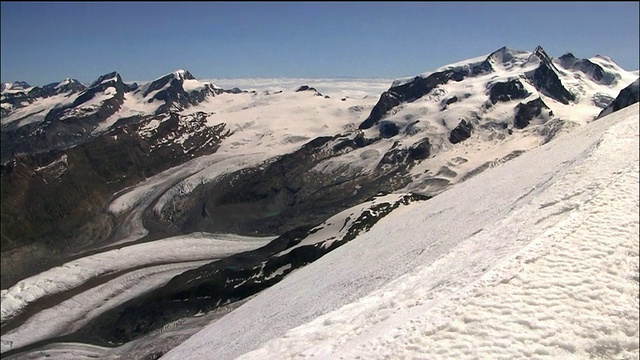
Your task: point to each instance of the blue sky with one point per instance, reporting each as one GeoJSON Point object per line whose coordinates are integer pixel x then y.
{"type": "Point", "coordinates": [47, 42]}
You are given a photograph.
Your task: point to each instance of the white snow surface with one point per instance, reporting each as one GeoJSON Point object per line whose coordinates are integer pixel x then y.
{"type": "Point", "coordinates": [335, 88]}
{"type": "Point", "coordinates": [36, 112]}
{"type": "Point", "coordinates": [159, 256]}
{"type": "Point", "coordinates": [535, 258]}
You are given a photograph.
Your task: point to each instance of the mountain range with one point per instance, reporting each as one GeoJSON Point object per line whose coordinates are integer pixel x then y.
{"type": "Point", "coordinates": [102, 173]}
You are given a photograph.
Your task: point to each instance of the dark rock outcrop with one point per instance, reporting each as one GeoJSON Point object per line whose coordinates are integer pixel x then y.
{"type": "Point", "coordinates": [307, 88]}
{"type": "Point", "coordinates": [507, 91]}
{"type": "Point", "coordinates": [545, 78]}
{"type": "Point", "coordinates": [420, 150]}
{"type": "Point", "coordinates": [357, 142]}
{"type": "Point", "coordinates": [525, 112]}
{"type": "Point", "coordinates": [388, 129]}
{"type": "Point", "coordinates": [461, 132]}
{"type": "Point", "coordinates": [628, 96]}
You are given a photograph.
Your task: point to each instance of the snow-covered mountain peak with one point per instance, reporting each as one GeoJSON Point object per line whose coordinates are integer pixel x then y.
{"type": "Point", "coordinates": [182, 74]}
{"type": "Point", "coordinates": [16, 86]}
{"type": "Point", "coordinates": [107, 78]}
{"type": "Point", "coordinates": [507, 58]}
{"type": "Point", "coordinates": [65, 82]}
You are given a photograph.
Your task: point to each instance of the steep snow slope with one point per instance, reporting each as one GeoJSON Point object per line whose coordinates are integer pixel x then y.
{"type": "Point", "coordinates": [536, 257]}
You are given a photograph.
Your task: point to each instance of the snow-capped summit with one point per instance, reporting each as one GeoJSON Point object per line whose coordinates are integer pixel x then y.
{"type": "Point", "coordinates": [183, 75]}
{"type": "Point", "coordinates": [16, 85]}
{"type": "Point", "coordinates": [177, 90]}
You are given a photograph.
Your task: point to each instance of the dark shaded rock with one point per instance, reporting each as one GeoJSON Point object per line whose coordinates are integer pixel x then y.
{"type": "Point", "coordinates": [545, 78]}
{"type": "Point", "coordinates": [448, 102]}
{"type": "Point", "coordinates": [388, 129]}
{"type": "Point", "coordinates": [507, 91]}
{"type": "Point", "coordinates": [132, 87]}
{"type": "Point", "coordinates": [420, 150]}
{"type": "Point", "coordinates": [357, 142]}
{"type": "Point", "coordinates": [525, 112]}
{"type": "Point", "coordinates": [461, 132]}
{"type": "Point", "coordinates": [451, 100]}
{"type": "Point", "coordinates": [388, 100]}
{"type": "Point", "coordinates": [307, 88]}
{"type": "Point", "coordinates": [628, 96]}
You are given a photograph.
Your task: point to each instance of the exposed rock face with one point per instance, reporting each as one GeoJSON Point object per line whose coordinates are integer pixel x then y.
{"type": "Point", "coordinates": [388, 129]}
{"type": "Point", "coordinates": [461, 132]}
{"type": "Point", "coordinates": [507, 91]}
{"type": "Point", "coordinates": [628, 96]}
{"type": "Point", "coordinates": [420, 150]}
{"type": "Point", "coordinates": [307, 88]}
{"type": "Point", "coordinates": [545, 78]}
{"type": "Point", "coordinates": [525, 112]}
{"type": "Point", "coordinates": [357, 142]}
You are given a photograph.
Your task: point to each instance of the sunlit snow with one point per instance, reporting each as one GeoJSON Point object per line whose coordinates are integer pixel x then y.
{"type": "Point", "coordinates": [535, 258]}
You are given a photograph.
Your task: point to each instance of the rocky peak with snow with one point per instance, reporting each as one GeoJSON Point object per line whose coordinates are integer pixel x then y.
{"type": "Point", "coordinates": [177, 90]}
{"type": "Point", "coordinates": [67, 85]}
{"type": "Point", "coordinates": [628, 96]}
{"type": "Point", "coordinates": [16, 85]}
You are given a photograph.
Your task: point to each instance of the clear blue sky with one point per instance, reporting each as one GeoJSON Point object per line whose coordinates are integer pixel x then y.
{"type": "Point", "coordinates": [47, 42]}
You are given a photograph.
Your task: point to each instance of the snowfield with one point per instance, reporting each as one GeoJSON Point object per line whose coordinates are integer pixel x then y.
{"type": "Point", "coordinates": [159, 261]}
{"type": "Point", "coordinates": [536, 258]}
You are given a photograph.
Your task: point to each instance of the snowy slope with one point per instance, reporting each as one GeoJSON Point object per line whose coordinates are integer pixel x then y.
{"type": "Point", "coordinates": [534, 258]}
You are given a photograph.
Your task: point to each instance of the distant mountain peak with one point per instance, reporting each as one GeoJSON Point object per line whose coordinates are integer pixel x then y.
{"type": "Point", "coordinates": [16, 85]}
{"type": "Point", "coordinates": [503, 55]}
{"type": "Point", "coordinates": [112, 76]}
{"type": "Point", "coordinates": [567, 55]}
{"type": "Point", "coordinates": [183, 74]}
